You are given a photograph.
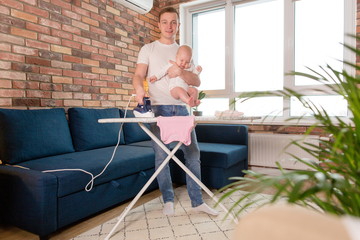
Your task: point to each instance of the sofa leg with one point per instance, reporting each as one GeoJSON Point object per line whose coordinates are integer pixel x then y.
{"type": "Point", "coordinates": [44, 237]}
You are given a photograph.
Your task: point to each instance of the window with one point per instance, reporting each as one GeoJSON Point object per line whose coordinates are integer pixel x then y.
{"type": "Point", "coordinates": [251, 45]}
{"type": "Point", "coordinates": [317, 37]}
{"type": "Point", "coordinates": [203, 24]}
{"type": "Point", "coordinates": [259, 41]}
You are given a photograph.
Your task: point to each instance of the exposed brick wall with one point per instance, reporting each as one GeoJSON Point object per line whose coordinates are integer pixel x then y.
{"type": "Point", "coordinates": [287, 129]}
{"type": "Point", "coordinates": [70, 53]}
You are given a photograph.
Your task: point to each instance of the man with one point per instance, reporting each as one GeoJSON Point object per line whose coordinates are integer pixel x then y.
{"type": "Point", "coordinates": [152, 58]}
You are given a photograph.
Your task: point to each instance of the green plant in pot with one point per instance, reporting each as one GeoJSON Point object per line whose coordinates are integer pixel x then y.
{"type": "Point", "coordinates": [331, 185]}
{"type": "Point", "coordinates": [195, 110]}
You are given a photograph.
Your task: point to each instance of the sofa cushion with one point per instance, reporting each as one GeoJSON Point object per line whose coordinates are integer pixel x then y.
{"type": "Point", "coordinates": [132, 131]}
{"type": "Point", "coordinates": [87, 133]}
{"type": "Point", "coordinates": [212, 154]}
{"type": "Point", "coordinates": [222, 133]}
{"type": "Point", "coordinates": [222, 155]}
{"type": "Point", "coordinates": [127, 160]}
{"type": "Point", "coordinates": [102, 197]}
{"type": "Point", "coordinates": [30, 134]}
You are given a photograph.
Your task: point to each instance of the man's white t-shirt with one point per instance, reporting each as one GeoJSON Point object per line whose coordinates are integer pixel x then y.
{"type": "Point", "coordinates": [157, 55]}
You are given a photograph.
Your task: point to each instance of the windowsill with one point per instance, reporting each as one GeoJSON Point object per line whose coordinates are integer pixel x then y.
{"type": "Point", "coordinates": [279, 121]}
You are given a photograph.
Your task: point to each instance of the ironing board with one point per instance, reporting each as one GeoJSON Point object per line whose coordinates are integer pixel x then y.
{"type": "Point", "coordinates": [171, 155]}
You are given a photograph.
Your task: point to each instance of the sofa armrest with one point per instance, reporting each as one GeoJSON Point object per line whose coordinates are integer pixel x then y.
{"type": "Point", "coordinates": [28, 199]}
{"type": "Point", "coordinates": [222, 133]}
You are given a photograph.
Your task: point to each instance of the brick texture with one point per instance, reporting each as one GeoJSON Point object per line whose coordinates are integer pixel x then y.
{"type": "Point", "coordinates": [65, 53]}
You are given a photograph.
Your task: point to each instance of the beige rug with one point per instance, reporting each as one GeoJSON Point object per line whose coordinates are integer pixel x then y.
{"type": "Point", "coordinates": [147, 222]}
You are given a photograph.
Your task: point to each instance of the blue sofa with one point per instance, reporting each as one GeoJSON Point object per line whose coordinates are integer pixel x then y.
{"type": "Point", "coordinates": [34, 142]}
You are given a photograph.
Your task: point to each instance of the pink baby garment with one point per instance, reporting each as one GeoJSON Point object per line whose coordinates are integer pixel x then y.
{"type": "Point", "coordinates": [177, 128]}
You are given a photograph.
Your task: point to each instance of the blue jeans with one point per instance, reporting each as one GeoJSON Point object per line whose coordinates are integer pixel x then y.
{"type": "Point", "coordinates": [191, 154]}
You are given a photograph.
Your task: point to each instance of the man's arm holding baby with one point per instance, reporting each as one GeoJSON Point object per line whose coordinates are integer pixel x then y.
{"type": "Point", "coordinates": [189, 77]}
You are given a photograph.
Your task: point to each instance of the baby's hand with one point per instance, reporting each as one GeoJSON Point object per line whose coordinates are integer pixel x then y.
{"type": "Point", "coordinates": [153, 79]}
{"type": "Point", "coordinates": [198, 68]}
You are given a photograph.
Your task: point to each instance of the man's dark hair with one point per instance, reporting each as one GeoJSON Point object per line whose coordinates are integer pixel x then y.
{"type": "Point", "coordinates": [168, 10]}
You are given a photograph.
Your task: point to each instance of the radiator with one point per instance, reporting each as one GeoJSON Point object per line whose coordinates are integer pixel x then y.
{"type": "Point", "coordinates": [267, 149]}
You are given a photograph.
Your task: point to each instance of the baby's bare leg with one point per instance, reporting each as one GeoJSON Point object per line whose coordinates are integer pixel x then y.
{"type": "Point", "coordinates": [193, 92]}
{"type": "Point", "coordinates": [180, 93]}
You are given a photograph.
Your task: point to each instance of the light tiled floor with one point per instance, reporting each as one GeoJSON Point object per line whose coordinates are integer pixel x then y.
{"type": "Point", "coordinates": [147, 222]}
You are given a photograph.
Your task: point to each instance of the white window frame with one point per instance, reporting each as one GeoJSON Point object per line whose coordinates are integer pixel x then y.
{"type": "Point", "coordinates": [187, 9]}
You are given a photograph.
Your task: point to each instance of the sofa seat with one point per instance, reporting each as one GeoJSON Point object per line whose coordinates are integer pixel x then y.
{"type": "Point", "coordinates": [102, 196]}
{"type": "Point", "coordinates": [219, 162]}
{"type": "Point", "coordinates": [128, 160]}
{"type": "Point", "coordinates": [221, 155]}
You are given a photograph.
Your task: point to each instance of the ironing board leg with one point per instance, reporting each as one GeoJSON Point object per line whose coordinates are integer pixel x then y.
{"type": "Point", "coordinates": [152, 178]}
{"type": "Point", "coordinates": [171, 154]}
{"type": "Point", "coordinates": [187, 171]}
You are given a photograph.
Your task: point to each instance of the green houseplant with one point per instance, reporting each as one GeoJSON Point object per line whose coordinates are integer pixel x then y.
{"type": "Point", "coordinates": [195, 110]}
{"type": "Point", "coordinates": [333, 184]}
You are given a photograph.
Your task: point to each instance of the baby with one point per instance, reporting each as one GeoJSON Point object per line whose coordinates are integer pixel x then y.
{"type": "Point", "coordinates": [179, 89]}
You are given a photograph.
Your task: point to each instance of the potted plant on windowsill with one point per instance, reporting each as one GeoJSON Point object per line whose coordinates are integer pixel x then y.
{"type": "Point", "coordinates": [331, 185]}
{"type": "Point", "coordinates": [195, 110]}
